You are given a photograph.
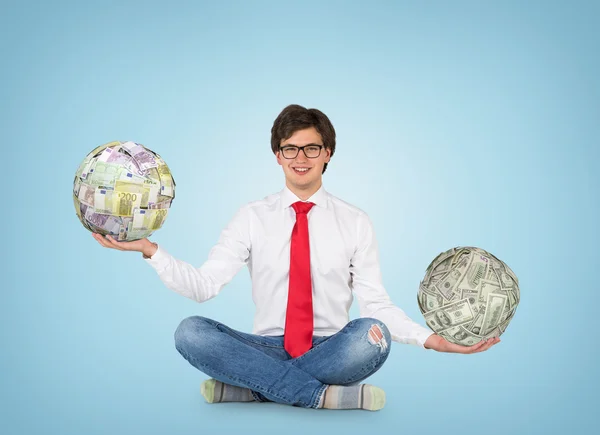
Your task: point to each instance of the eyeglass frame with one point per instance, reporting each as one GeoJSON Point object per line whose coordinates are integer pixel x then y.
{"type": "Point", "coordinates": [302, 149]}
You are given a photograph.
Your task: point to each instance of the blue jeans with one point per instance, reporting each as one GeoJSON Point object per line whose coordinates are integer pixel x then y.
{"type": "Point", "coordinates": [261, 364]}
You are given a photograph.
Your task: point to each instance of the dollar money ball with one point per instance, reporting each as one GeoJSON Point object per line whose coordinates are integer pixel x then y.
{"type": "Point", "coordinates": [468, 295]}
{"type": "Point", "coordinates": [123, 189]}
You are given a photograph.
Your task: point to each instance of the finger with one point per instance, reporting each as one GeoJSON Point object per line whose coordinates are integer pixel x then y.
{"type": "Point", "coordinates": [486, 344]}
{"type": "Point", "coordinates": [495, 341]}
{"type": "Point", "coordinates": [101, 240]}
{"type": "Point", "coordinates": [115, 244]}
{"type": "Point", "coordinates": [489, 343]}
{"type": "Point", "coordinates": [479, 347]}
{"type": "Point", "coordinates": [105, 242]}
{"type": "Point", "coordinates": [459, 348]}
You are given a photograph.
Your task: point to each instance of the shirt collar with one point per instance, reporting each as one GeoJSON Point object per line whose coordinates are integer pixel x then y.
{"type": "Point", "coordinates": [288, 197]}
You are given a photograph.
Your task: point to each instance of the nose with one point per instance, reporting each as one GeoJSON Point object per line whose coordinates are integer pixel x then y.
{"type": "Point", "coordinates": [301, 157]}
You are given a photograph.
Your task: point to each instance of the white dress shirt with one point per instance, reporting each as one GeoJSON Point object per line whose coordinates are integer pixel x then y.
{"type": "Point", "coordinates": [344, 260]}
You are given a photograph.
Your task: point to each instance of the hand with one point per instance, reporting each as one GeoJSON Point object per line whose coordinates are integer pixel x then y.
{"type": "Point", "coordinates": [144, 246]}
{"type": "Point", "coordinates": [440, 344]}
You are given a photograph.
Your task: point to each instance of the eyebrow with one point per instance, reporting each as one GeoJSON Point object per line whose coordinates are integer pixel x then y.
{"type": "Point", "coordinates": [293, 145]}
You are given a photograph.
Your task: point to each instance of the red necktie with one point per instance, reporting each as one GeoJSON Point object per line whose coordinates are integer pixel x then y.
{"type": "Point", "coordinates": [299, 315]}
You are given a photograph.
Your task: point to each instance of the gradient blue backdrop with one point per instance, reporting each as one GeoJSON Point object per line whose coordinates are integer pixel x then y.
{"type": "Point", "coordinates": [459, 123]}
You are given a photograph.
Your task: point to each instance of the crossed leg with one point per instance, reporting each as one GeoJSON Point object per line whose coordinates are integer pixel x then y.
{"type": "Point", "coordinates": [261, 364]}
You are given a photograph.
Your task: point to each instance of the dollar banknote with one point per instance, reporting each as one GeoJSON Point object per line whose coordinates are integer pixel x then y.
{"type": "Point", "coordinates": [448, 283]}
{"type": "Point", "coordinates": [493, 312]}
{"type": "Point", "coordinates": [450, 315]}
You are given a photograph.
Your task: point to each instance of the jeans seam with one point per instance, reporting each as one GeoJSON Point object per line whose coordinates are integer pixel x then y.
{"type": "Point", "coordinates": [319, 392]}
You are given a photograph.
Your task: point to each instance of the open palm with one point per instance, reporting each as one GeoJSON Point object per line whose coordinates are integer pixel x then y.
{"type": "Point", "coordinates": [109, 242]}
{"type": "Point", "coordinates": [440, 344]}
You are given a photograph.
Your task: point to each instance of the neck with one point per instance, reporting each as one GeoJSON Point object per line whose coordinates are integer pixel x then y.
{"type": "Point", "coordinates": [305, 193]}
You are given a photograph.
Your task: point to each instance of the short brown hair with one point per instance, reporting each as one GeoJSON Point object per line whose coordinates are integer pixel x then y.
{"type": "Point", "coordinates": [295, 117]}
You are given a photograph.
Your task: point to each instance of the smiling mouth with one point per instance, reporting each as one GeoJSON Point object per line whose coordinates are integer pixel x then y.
{"type": "Point", "coordinates": [301, 172]}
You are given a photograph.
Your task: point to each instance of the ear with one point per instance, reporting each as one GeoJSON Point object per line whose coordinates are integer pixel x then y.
{"type": "Point", "coordinates": [278, 155]}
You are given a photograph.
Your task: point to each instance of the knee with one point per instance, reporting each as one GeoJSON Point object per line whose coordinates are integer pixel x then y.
{"type": "Point", "coordinates": [379, 335]}
{"type": "Point", "coordinates": [368, 348]}
{"type": "Point", "coordinates": [375, 333]}
{"type": "Point", "coordinates": [190, 332]}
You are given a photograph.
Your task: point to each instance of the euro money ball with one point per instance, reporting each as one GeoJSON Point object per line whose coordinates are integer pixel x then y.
{"type": "Point", "coordinates": [468, 295]}
{"type": "Point", "coordinates": [123, 189]}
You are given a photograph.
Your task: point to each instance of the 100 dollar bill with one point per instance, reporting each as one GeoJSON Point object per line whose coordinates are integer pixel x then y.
{"type": "Point", "coordinates": [449, 316]}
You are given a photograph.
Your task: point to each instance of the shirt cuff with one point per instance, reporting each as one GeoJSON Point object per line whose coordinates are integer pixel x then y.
{"type": "Point", "coordinates": [422, 335]}
{"type": "Point", "coordinates": [159, 260]}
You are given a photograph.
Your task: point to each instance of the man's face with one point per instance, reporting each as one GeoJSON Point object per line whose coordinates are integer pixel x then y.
{"type": "Point", "coordinates": [310, 179]}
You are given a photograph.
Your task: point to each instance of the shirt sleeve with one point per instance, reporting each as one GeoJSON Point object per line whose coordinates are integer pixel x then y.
{"type": "Point", "coordinates": [225, 259]}
{"type": "Point", "coordinates": [373, 300]}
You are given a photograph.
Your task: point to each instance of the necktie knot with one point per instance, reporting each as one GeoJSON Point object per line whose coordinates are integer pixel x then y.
{"type": "Point", "coordinates": [302, 207]}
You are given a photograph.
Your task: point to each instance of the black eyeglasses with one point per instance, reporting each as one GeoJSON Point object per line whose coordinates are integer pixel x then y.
{"type": "Point", "coordinates": [312, 151]}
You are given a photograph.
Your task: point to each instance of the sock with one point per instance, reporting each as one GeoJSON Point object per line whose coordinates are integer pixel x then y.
{"type": "Point", "coordinates": [363, 396]}
{"type": "Point", "coordinates": [216, 391]}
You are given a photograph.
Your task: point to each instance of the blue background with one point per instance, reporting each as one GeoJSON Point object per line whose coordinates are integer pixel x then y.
{"type": "Point", "coordinates": [459, 124]}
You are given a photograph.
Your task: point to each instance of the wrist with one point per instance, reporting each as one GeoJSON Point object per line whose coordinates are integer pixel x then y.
{"type": "Point", "coordinates": [432, 341]}
{"type": "Point", "coordinates": [150, 249]}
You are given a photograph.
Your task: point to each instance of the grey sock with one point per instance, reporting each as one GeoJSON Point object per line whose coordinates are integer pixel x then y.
{"type": "Point", "coordinates": [363, 396]}
{"type": "Point", "coordinates": [216, 391]}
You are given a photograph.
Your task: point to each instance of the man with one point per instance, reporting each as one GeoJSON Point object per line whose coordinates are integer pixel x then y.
{"type": "Point", "coordinates": [308, 253]}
